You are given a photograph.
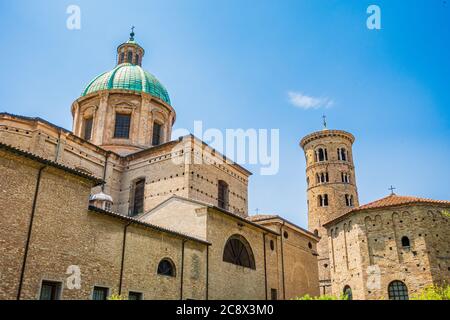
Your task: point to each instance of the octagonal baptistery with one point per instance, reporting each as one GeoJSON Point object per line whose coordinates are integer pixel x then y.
{"type": "Point", "coordinates": [126, 109]}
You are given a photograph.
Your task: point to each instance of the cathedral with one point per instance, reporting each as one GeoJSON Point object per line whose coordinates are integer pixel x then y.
{"type": "Point", "coordinates": [116, 207]}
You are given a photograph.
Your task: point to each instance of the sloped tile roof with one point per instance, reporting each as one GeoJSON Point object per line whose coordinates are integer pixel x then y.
{"type": "Point", "coordinates": [392, 200]}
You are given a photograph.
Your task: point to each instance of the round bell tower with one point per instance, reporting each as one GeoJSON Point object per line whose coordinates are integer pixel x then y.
{"type": "Point", "coordinates": [331, 187]}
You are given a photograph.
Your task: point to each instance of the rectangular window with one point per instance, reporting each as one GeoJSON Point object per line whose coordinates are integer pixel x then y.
{"type": "Point", "coordinates": [156, 138]}
{"type": "Point", "coordinates": [100, 293]}
{"type": "Point", "coordinates": [134, 295]}
{"type": "Point", "coordinates": [139, 192]}
{"type": "Point", "coordinates": [273, 294]}
{"type": "Point", "coordinates": [223, 195]}
{"type": "Point", "coordinates": [122, 126]}
{"type": "Point", "coordinates": [50, 290]}
{"type": "Point", "coordinates": [88, 128]}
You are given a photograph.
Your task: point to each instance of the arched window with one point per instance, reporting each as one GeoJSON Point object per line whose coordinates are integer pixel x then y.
{"type": "Point", "coordinates": [222, 194]}
{"type": "Point", "coordinates": [321, 154]}
{"type": "Point", "coordinates": [316, 232]}
{"type": "Point", "coordinates": [166, 268]}
{"type": "Point", "coordinates": [345, 177]}
{"type": "Point", "coordinates": [398, 291]}
{"type": "Point", "coordinates": [138, 193]}
{"type": "Point", "coordinates": [342, 154]}
{"type": "Point", "coordinates": [130, 57]}
{"type": "Point", "coordinates": [137, 59]}
{"type": "Point", "coordinates": [348, 292]}
{"type": "Point", "coordinates": [405, 242]}
{"type": "Point", "coordinates": [323, 200]}
{"type": "Point", "coordinates": [349, 200]}
{"type": "Point", "coordinates": [122, 57]}
{"type": "Point", "coordinates": [237, 251]}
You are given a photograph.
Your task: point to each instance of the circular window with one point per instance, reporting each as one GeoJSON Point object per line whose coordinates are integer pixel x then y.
{"type": "Point", "coordinates": [272, 245]}
{"type": "Point", "coordinates": [285, 234]}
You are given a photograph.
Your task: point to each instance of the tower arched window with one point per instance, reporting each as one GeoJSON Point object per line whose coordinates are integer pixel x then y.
{"type": "Point", "coordinates": [222, 194]}
{"type": "Point", "coordinates": [323, 200]}
{"type": "Point", "coordinates": [238, 251]}
{"type": "Point", "coordinates": [137, 194]}
{"type": "Point", "coordinates": [130, 57]}
{"type": "Point", "coordinates": [348, 292]}
{"type": "Point", "coordinates": [345, 177]}
{"type": "Point", "coordinates": [405, 242]}
{"type": "Point", "coordinates": [137, 59]}
{"type": "Point", "coordinates": [349, 200]}
{"type": "Point", "coordinates": [166, 268]}
{"type": "Point", "coordinates": [342, 154]}
{"type": "Point", "coordinates": [321, 154]}
{"type": "Point", "coordinates": [121, 57]}
{"type": "Point", "coordinates": [397, 290]}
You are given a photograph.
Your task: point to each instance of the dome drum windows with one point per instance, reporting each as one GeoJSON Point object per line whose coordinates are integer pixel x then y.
{"type": "Point", "coordinates": [157, 133]}
{"type": "Point", "coordinates": [122, 126]}
{"type": "Point", "coordinates": [323, 200]}
{"type": "Point", "coordinates": [238, 252]}
{"type": "Point", "coordinates": [87, 128]}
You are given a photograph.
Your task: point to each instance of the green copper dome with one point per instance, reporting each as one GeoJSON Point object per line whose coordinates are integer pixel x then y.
{"type": "Point", "coordinates": [128, 76]}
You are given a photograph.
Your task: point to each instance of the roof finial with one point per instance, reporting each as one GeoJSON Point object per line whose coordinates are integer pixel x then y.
{"type": "Point", "coordinates": [392, 190]}
{"type": "Point", "coordinates": [132, 34]}
{"type": "Point", "coordinates": [324, 117]}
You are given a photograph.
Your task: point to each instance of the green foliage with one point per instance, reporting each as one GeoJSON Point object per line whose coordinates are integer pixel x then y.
{"type": "Point", "coordinates": [433, 293]}
{"type": "Point", "coordinates": [116, 297]}
{"type": "Point", "coordinates": [322, 297]}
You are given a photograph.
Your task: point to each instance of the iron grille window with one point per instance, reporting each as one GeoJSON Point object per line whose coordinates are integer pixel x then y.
{"type": "Point", "coordinates": [122, 126]}
{"type": "Point", "coordinates": [50, 290]}
{"type": "Point", "coordinates": [100, 293]}
{"type": "Point", "coordinates": [138, 201]}
{"type": "Point", "coordinates": [134, 295]}
{"type": "Point", "coordinates": [166, 268]}
{"type": "Point", "coordinates": [88, 128]}
{"type": "Point", "coordinates": [398, 291]}
{"type": "Point", "coordinates": [156, 138]}
{"type": "Point", "coordinates": [238, 252]}
{"type": "Point", "coordinates": [223, 194]}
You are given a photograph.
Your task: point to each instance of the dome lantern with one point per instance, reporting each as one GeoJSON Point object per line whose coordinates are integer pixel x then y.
{"type": "Point", "coordinates": [130, 51]}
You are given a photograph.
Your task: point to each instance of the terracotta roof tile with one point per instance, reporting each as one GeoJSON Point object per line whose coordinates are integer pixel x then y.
{"type": "Point", "coordinates": [390, 201]}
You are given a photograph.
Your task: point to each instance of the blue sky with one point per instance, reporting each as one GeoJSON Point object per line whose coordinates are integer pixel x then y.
{"type": "Point", "coordinates": [232, 63]}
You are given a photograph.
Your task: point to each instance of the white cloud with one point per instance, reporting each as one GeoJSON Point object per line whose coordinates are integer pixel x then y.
{"type": "Point", "coordinates": [306, 102]}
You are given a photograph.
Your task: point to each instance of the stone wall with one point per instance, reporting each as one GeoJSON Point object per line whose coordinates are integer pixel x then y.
{"type": "Point", "coordinates": [368, 244]}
